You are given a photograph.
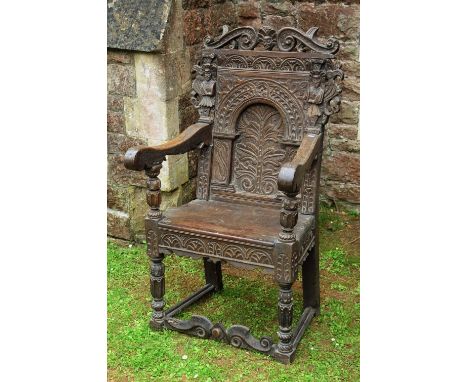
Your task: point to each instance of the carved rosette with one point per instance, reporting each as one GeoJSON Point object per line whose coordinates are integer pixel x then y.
{"type": "Point", "coordinates": [204, 87]}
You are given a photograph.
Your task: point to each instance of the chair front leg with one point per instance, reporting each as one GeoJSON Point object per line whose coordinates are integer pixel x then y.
{"type": "Point", "coordinates": [157, 281]}
{"type": "Point", "coordinates": [285, 316]}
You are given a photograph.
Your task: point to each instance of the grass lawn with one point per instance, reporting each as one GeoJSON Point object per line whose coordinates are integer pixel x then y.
{"type": "Point", "coordinates": [329, 350]}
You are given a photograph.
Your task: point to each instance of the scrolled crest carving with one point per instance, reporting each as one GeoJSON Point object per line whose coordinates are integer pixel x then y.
{"type": "Point", "coordinates": [204, 87]}
{"type": "Point", "coordinates": [286, 40]}
{"type": "Point", "coordinates": [290, 38]}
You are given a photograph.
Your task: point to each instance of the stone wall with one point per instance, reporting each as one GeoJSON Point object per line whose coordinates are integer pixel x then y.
{"type": "Point", "coordinates": [340, 171]}
{"type": "Point", "coordinates": [147, 105]}
{"type": "Point", "coordinates": [149, 100]}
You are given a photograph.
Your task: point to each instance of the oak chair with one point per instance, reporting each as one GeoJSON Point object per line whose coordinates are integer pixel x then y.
{"type": "Point", "coordinates": [264, 98]}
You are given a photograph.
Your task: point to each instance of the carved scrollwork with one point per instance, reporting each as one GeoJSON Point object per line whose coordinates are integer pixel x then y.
{"type": "Point", "coordinates": [245, 38]}
{"type": "Point", "coordinates": [290, 38]}
{"type": "Point", "coordinates": [286, 40]}
{"type": "Point", "coordinates": [237, 335]}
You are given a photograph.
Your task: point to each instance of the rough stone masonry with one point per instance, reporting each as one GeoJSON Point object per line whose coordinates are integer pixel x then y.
{"type": "Point", "coordinates": [152, 45]}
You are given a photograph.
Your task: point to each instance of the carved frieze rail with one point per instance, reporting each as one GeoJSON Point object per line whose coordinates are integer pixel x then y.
{"type": "Point", "coordinates": [228, 249]}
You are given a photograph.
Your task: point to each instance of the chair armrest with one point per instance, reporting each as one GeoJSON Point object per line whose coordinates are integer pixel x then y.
{"type": "Point", "coordinates": [144, 157]}
{"type": "Point", "coordinates": [291, 175]}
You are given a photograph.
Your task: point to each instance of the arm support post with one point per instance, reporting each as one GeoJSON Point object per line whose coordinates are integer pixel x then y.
{"type": "Point", "coordinates": [290, 179]}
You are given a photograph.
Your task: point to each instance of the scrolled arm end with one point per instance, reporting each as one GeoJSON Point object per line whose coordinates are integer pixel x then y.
{"type": "Point", "coordinates": [144, 157]}
{"type": "Point", "coordinates": [291, 175]}
{"type": "Point", "coordinates": [290, 178]}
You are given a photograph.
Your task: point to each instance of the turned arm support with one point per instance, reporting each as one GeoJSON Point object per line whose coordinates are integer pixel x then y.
{"type": "Point", "coordinates": [144, 157]}
{"type": "Point", "coordinates": [291, 175]}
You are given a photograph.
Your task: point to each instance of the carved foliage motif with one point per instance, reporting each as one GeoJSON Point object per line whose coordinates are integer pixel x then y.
{"type": "Point", "coordinates": [204, 166]}
{"type": "Point", "coordinates": [258, 155]}
{"type": "Point", "coordinates": [218, 248]}
{"type": "Point", "coordinates": [286, 40]}
{"type": "Point", "coordinates": [221, 160]}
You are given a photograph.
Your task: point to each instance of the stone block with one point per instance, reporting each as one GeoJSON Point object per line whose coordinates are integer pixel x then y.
{"type": "Point", "coordinates": [171, 199]}
{"type": "Point", "coordinates": [121, 80]}
{"type": "Point", "coordinates": [350, 68]}
{"type": "Point", "coordinates": [278, 22]}
{"type": "Point", "coordinates": [118, 197]}
{"type": "Point", "coordinates": [115, 122]}
{"type": "Point", "coordinates": [341, 191]}
{"type": "Point", "coordinates": [119, 57]}
{"type": "Point", "coordinates": [348, 114]}
{"type": "Point", "coordinates": [119, 175]}
{"type": "Point", "coordinates": [344, 144]}
{"type": "Point", "coordinates": [189, 191]}
{"type": "Point", "coordinates": [137, 211]}
{"type": "Point", "coordinates": [351, 88]}
{"type": "Point", "coordinates": [174, 172]}
{"type": "Point", "coordinates": [194, 4]}
{"type": "Point", "coordinates": [120, 143]}
{"type": "Point", "coordinates": [194, 26]}
{"type": "Point", "coordinates": [188, 115]}
{"type": "Point", "coordinates": [118, 224]}
{"type": "Point", "coordinates": [283, 8]}
{"type": "Point", "coordinates": [341, 167]}
{"type": "Point", "coordinates": [341, 131]}
{"type": "Point", "coordinates": [115, 103]}
{"type": "Point", "coordinates": [349, 51]}
{"type": "Point", "coordinates": [338, 20]}
{"type": "Point", "coordinates": [248, 10]}
{"type": "Point", "coordinates": [218, 15]}
{"type": "Point", "coordinates": [192, 157]}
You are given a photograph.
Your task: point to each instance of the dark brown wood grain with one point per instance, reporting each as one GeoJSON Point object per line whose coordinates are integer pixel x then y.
{"type": "Point", "coordinates": [264, 98]}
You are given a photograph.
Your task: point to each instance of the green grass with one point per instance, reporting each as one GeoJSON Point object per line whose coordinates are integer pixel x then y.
{"type": "Point", "coordinates": [329, 350]}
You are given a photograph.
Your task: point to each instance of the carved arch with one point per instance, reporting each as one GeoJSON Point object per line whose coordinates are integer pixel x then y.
{"type": "Point", "coordinates": [261, 91]}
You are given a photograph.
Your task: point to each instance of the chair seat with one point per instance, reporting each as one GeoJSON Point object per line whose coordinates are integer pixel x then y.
{"type": "Point", "coordinates": [230, 231]}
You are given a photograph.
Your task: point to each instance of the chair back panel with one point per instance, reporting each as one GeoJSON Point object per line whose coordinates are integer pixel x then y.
{"type": "Point", "coordinates": [262, 102]}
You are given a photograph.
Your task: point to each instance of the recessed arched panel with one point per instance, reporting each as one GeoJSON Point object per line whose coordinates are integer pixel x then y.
{"type": "Point", "coordinates": [258, 153]}
{"type": "Point", "coordinates": [260, 90]}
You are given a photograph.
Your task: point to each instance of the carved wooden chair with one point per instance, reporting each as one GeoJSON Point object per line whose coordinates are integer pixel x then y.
{"type": "Point", "coordinates": [264, 98]}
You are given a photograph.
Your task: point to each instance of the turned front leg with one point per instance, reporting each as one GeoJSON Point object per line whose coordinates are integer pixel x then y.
{"type": "Point", "coordinates": [157, 286]}
{"type": "Point", "coordinates": [157, 282]}
{"type": "Point", "coordinates": [285, 316]}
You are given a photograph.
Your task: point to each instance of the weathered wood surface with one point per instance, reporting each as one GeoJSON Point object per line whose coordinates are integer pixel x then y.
{"type": "Point", "coordinates": [262, 118]}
